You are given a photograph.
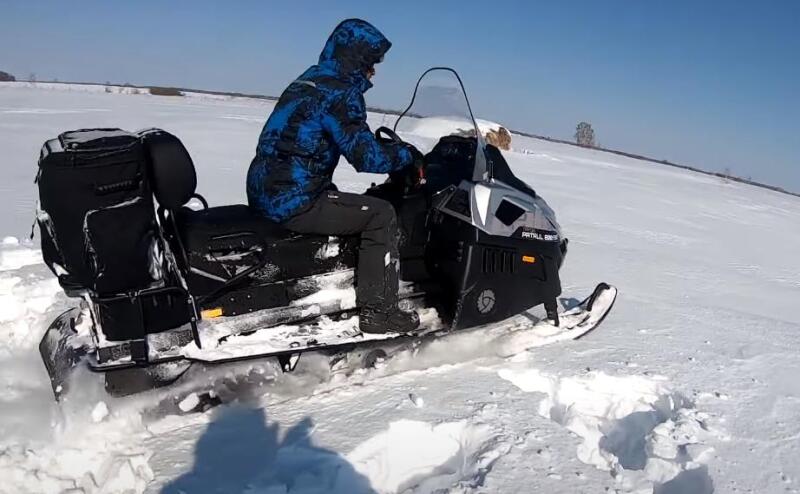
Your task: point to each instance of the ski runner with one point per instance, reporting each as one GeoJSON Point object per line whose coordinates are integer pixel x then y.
{"type": "Point", "coordinates": [319, 117]}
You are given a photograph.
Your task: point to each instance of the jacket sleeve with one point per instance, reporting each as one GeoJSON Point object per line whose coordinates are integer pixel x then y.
{"type": "Point", "coordinates": [346, 122]}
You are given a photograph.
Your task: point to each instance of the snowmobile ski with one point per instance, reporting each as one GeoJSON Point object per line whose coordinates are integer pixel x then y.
{"type": "Point", "coordinates": [574, 323]}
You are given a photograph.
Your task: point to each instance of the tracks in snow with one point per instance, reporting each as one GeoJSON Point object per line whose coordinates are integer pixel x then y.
{"type": "Point", "coordinates": [427, 458]}
{"type": "Point", "coordinates": [647, 436]}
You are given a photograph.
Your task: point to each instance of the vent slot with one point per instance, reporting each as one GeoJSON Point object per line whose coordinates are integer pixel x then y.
{"type": "Point", "coordinates": [498, 261]}
{"type": "Point", "coordinates": [508, 213]}
{"type": "Point", "coordinates": [459, 203]}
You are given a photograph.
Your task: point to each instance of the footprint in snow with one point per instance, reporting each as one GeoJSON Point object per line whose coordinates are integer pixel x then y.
{"type": "Point", "coordinates": [635, 427]}
{"type": "Point", "coordinates": [420, 457]}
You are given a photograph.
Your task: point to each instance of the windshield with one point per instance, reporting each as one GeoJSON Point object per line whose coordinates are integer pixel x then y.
{"type": "Point", "coordinates": [439, 107]}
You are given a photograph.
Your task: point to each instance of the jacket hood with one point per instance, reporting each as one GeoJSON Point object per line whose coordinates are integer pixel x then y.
{"type": "Point", "coordinates": [353, 47]}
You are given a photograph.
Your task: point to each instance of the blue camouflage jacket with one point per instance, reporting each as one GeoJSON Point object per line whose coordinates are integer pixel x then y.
{"type": "Point", "coordinates": [318, 118]}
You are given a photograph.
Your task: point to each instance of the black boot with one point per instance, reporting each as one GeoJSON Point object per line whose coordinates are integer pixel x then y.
{"type": "Point", "coordinates": [393, 320]}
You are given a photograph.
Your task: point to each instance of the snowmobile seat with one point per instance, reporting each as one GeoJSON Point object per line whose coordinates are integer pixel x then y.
{"type": "Point", "coordinates": [200, 228]}
{"type": "Point", "coordinates": [174, 183]}
{"type": "Point", "coordinates": [223, 248]}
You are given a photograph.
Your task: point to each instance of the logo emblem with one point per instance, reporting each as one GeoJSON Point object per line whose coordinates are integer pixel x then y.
{"type": "Point", "coordinates": [486, 301]}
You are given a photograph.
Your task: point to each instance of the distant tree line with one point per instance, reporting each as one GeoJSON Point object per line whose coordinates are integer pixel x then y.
{"type": "Point", "coordinates": [165, 91]}
{"type": "Point", "coordinates": [6, 77]}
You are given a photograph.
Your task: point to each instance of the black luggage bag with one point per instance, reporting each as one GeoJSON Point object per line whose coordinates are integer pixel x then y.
{"type": "Point", "coordinates": [96, 212]}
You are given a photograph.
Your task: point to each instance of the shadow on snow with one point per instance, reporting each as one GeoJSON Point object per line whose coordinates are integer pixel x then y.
{"type": "Point", "coordinates": [241, 452]}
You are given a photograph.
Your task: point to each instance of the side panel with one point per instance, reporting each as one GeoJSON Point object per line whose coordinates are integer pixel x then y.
{"type": "Point", "coordinates": [273, 284]}
{"type": "Point", "coordinates": [489, 278]}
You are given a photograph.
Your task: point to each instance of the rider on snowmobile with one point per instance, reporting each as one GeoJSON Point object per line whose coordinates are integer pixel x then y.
{"type": "Point", "coordinates": [319, 117]}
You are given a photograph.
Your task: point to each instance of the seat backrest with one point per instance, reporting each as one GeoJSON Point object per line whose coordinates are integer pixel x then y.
{"type": "Point", "coordinates": [170, 168]}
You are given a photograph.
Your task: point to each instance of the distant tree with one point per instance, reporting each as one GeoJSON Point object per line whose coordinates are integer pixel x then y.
{"type": "Point", "coordinates": [6, 77]}
{"type": "Point", "coordinates": [32, 77]}
{"type": "Point", "coordinates": [584, 135]}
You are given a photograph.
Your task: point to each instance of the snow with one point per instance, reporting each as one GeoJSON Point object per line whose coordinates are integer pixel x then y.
{"type": "Point", "coordinates": [13, 256]}
{"type": "Point", "coordinates": [394, 461]}
{"type": "Point", "coordinates": [336, 286]}
{"type": "Point", "coordinates": [100, 412]}
{"type": "Point", "coordinates": [329, 250]}
{"type": "Point", "coordinates": [188, 403]}
{"type": "Point", "coordinates": [690, 386]}
{"type": "Point", "coordinates": [627, 424]}
{"type": "Point", "coordinates": [99, 88]}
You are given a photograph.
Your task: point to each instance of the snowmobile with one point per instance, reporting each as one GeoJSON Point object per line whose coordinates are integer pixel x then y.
{"type": "Point", "coordinates": [167, 282]}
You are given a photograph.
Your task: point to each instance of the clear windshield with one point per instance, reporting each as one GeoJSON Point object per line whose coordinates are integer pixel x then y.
{"type": "Point", "coordinates": [438, 108]}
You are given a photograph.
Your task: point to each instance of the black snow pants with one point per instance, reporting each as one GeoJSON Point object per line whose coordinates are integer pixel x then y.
{"type": "Point", "coordinates": [340, 213]}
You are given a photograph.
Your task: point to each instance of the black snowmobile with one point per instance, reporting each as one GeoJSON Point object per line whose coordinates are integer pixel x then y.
{"type": "Point", "coordinates": [167, 282]}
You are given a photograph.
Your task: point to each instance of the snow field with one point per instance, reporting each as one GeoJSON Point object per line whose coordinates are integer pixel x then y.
{"type": "Point", "coordinates": [100, 88]}
{"type": "Point", "coordinates": [453, 453]}
{"type": "Point", "coordinates": [691, 383]}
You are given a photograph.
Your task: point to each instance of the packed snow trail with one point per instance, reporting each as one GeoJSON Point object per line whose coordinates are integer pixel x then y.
{"type": "Point", "coordinates": [690, 385]}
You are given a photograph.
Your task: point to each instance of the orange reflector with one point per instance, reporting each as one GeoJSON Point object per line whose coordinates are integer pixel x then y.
{"type": "Point", "coordinates": [529, 259]}
{"type": "Point", "coordinates": [211, 313]}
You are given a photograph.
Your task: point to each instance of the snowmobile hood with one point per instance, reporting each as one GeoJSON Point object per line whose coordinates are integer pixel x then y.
{"type": "Point", "coordinates": [353, 47]}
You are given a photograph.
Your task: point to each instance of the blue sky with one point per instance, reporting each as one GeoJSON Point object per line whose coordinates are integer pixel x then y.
{"type": "Point", "coordinates": [714, 84]}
